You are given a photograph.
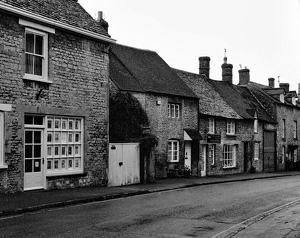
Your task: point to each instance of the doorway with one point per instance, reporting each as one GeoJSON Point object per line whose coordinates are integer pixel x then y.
{"type": "Point", "coordinates": [188, 154]}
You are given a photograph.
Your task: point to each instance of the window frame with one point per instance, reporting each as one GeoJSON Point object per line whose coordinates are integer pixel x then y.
{"type": "Point", "coordinates": [211, 125]}
{"type": "Point", "coordinates": [174, 110]}
{"type": "Point", "coordinates": [212, 153]}
{"type": "Point", "coordinates": [295, 155]}
{"type": "Point", "coordinates": [256, 151]}
{"type": "Point", "coordinates": [45, 145]}
{"type": "Point", "coordinates": [229, 151]}
{"type": "Point", "coordinates": [283, 128]}
{"type": "Point", "coordinates": [45, 57]}
{"type": "Point", "coordinates": [295, 130]}
{"type": "Point", "coordinates": [171, 153]}
{"type": "Point", "coordinates": [230, 127]}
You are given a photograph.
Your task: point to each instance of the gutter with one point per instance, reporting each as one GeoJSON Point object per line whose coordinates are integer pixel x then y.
{"type": "Point", "coordinates": [56, 23]}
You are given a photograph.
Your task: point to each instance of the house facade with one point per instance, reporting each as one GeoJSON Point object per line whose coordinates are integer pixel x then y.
{"type": "Point", "coordinates": [53, 96]}
{"type": "Point", "coordinates": [231, 122]}
{"type": "Point", "coordinates": [172, 108]}
{"type": "Point", "coordinates": [283, 104]}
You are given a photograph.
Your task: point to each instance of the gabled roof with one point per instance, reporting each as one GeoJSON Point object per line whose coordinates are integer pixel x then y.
{"type": "Point", "coordinates": [210, 101]}
{"type": "Point", "coordinates": [242, 101]}
{"type": "Point", "coordinates": [67, 12]}
{"type": "Point", "coordinates": [145, 71]}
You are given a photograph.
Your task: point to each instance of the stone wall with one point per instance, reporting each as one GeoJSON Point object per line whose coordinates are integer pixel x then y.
{"type": "Point", "coordinates": [169, 128]}
{"type": "Point", "coordinates": [78, 69]}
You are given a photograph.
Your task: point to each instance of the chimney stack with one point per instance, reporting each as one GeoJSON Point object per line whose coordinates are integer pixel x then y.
{"type": "Point", "coordinates": [244, 76]}
{"type": "Point", "coordinates": [101, 21]}
{"type": "Point", "coordinates": [285, 86]}
{"type": "Point", "coordinates": [204, 62]}
{"type": "Point", "coordinates": [226, 71]}
{"type": "Point", "coordinates": [271, 82]}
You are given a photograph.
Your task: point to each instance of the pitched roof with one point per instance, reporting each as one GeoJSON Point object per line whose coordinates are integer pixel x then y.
{"type": "Point", "coordinates": [210, 101]}
{"type": "Point", "coordinates": [144, 70]}
{"type": "Point", "coordinates": [65, 11]}
{"type": "Point", "coordinates": [242, 101]}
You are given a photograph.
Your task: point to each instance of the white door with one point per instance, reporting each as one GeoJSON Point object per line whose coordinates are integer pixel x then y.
{"type": "Point", "coordinates": [203, 164]}
{"type": "Point", "coordinates": [33, 164]}
{"type": "Point", "coordinates": [187, 154]}
{"type": "Point", "coordinates": [124, 164]}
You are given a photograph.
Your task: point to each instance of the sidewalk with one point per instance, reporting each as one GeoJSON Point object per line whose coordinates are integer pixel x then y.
{"type": "Point", "coordinates": [12, 204]}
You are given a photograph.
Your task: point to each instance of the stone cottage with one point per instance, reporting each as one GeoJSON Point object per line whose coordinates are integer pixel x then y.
{"type": "Point", "coordinates": [53, 96]}
{"type": "Point", "coordinates": [171, 106]}
{"type": "Point", "coordinates": [231, 122]}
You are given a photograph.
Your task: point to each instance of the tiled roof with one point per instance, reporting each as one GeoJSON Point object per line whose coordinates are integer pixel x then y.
{"type": "Point", "coordinates": [144, 70]}
{"type": "Point", "coordinates": [210, 102]}
{"type": "Point", "coordinates": [65, 11]}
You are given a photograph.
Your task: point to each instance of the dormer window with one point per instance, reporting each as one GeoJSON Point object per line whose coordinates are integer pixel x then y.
{"type": "Point", "coordinates": [281, 97]}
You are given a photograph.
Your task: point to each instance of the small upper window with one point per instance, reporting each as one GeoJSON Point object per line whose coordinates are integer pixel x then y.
{"type": "Point", "coordinates": [36, 55]}
{"type": "Point", "coordinates": [283, 129]}
{"type": "Point", "coordinates": [295, 129]}
{"type": "Point", "coordinates": [211, 125]}
{"type": "Point", "coordinates": [230, 128]}
{"type": "Point", "coordinates": [173, 110]}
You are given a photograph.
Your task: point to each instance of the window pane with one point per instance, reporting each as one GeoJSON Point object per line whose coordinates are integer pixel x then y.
{"type": "Point", "coordinates": [28, 136]}
{"type": "Point", "coordinates": [39, 45]}
{"type": "Point", "coordinates": [28, 151]}
{"type": "Point", "coordinates": [49, 164]}
{"type": "Point", "coordinates": [38, 61]}
{"type": "Point", "coordinates": [37, 165]}
{"type": "Point", "coordinates": [38, 120]}
{"type": "Point", "coordinates": [37, 137]}
{"type": "Point", "coordinates": [29, 64]}
{"type": "Point", "coordinates": [29, 120]}
{"type": "Point", "coordinates": [37, 151]}
{"type": "Point", "coordinates": [30, 42]}
{"type": "Point", "coordinates": [28, 166]}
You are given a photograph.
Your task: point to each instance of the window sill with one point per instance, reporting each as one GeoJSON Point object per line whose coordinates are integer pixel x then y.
{"type": "Point", "coordinates": [230, 134]}
{"type": "Point", "coordinates": [37, 79]}
{"type": "Point", "coordinates": [226, 168]}
{"type": "Point", "coordinates": [3, 166]}
{"type": "Point", "coordinates": [173, 161]}
{"type": "Point", "coordinates": [56, 174]}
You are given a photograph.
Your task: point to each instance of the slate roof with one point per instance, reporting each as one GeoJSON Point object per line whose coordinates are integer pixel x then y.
{"type": "Point", "coordinates": [210, 102]}
{"type": "Point", "coordinates": [241, 99]}
{"type": "Point", "coordinates": [65, 11]}
{"type": "Point", "coordinates": [141, 70]}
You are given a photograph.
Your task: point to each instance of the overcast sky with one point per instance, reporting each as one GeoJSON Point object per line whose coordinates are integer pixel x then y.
{"type": "Point", "coordinates": [262, 35]}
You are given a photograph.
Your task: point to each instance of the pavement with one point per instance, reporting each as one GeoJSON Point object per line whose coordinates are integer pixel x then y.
{"type": "Point", "coordinates": [18, 203]}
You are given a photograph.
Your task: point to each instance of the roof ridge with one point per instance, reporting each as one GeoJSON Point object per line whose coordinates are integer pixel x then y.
{"type": "Point", "coordinates": [136, 48]}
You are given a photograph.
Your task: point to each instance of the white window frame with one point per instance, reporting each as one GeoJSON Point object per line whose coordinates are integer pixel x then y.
{"type": "Point", "coordinates": [46, 130]}
{"type": "Point", "coordinates": [211, 126]}
{"type": "Point", "coordinates": [44, 77]}
{"type": "Point", "coordinates": [295, 129]}
{"type": "Point", "coordinates": [230, 127]}
{"type": "Point", "coordinates": [229, 154]}
{"type": "Point", "coordinates": [173, 153]}
{"type": "Point", "coordinates": [173, 110]}
{"type": "Point", "coordinates": [283, 154]}
{"type": "Point", "coordinates": [283, 128]}
{"type": "Point", "coordinates": [256, 151]}
{"type": "Point", "coordinates": [255, 124]}
{"type": "Point", "coordinates": [211, 153]}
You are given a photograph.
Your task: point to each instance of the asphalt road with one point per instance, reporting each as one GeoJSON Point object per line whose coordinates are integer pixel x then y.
{"type": "Point", "coordinates": [193, 212]}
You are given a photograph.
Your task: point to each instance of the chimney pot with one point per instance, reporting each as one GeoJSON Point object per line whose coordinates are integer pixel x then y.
{"type": "Point", "coordinates": [271, 82]}
{"type": "Point", "coordinates": [227, 71]}
{"type": "Point", "coordinates": [244, 76]}
{"type": "Point", "coordinates": [204, 65]}
{"type": "Point", "coordinates": [101, 21]}
{"type": "Point", "coordinates": [285, 86]}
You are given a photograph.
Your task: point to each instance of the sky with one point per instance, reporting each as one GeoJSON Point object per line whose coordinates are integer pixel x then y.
{"type": "Point", "coordinates": [262, 35]}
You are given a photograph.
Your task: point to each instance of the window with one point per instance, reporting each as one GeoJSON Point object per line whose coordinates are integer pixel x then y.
{"type": "Point", "coordinates": [173, 110]}
{"type": "Point", "coordinates": [295, 155]}
{"type": "Point", "coordinates": [295, 129]}
{"type": "Point", "coordinates": [283, 128]}
{"type": "Point", "coordinates": [255, 123]}
{"type": "Point", "coordinates": [230, 128]}
{"type": "Point", "coordinates": [63, 145]}
{"type": "Point", "coordinates": [2, 140]}
{"type": "Point", "coordinates": [256, 151]}
{"type": "Point", "coordinates": [283, 154]}
{"type": "Point", "coordinates": [211, 125]}
{"type": "Point", "coordinates": [229, 156]}
{"type": "Point", "coordinates": [211, 153]}
{"type": "Point", "coordinates": [173, 150]}
{"type": "Point", "coordinates": [36, 55]}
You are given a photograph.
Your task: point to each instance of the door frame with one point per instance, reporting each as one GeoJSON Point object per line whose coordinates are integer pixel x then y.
{"type": "Point", "coordinates": [188, 154]}
{"type": "Point", "coordinates": [43, 164]}
{"type": "Point", "coordinates": [204, 157]}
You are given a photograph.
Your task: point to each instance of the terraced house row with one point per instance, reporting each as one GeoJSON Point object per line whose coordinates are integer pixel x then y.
{"type": "Point", "coordinates": [59, 67]}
